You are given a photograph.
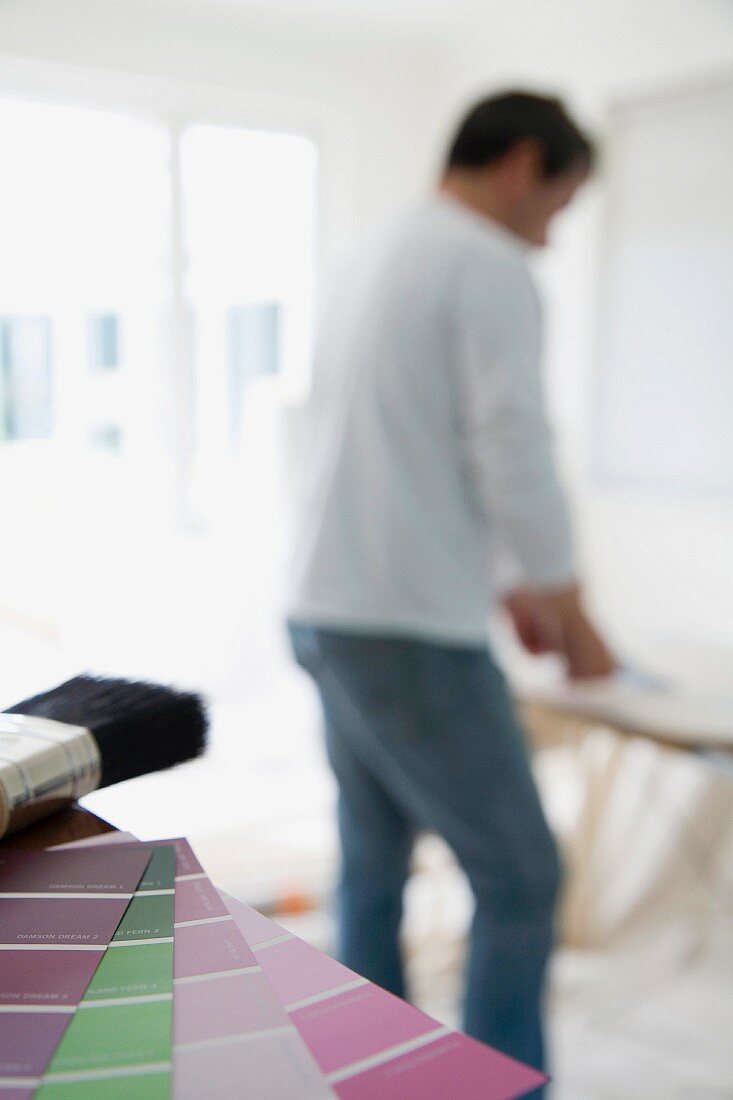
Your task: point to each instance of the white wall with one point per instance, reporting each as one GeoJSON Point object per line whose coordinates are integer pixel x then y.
{"type": "Point", "coordinates": [364, 94]}
{"type": "Point", "coordinates": [660, 568]}
{"type": "Point", "coordinates": [380, 101]}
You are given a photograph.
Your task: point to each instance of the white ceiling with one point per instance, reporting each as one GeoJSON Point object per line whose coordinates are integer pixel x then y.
{"type": "Point", "coordinates": [469, 21]}
{"type": "Point", "coordinates": [422, 12]}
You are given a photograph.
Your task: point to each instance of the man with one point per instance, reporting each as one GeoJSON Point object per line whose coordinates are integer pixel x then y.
{"type": "Point", "coordinates": [429, 494]}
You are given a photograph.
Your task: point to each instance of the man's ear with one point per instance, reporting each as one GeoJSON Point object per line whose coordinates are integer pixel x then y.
{"type": "Point", "coordinates": [523, 164]}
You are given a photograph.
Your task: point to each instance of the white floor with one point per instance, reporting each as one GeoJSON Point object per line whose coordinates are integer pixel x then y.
{"type": "Point", "coordinates": [644, 1017]}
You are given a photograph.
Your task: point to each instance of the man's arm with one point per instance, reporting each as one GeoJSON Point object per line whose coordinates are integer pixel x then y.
{"type": "Point", "coordinates": [508, 451]}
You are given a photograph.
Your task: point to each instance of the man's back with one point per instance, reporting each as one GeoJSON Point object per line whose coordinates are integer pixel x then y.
{"type": "Point", "coordinates": [394, 532]}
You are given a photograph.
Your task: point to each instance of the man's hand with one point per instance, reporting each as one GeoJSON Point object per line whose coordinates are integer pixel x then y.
{"type": "Point", "coordinates": [554, 621]}
{"type": "Point", "coordinates": [535, 620]}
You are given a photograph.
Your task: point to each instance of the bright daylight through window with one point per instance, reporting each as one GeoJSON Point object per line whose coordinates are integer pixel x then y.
{"type": "Point", "coordinates": [154, 280]}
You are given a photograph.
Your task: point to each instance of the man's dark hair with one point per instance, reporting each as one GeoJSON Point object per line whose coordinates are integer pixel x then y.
{"type": "Point", "coordinates": [494, 125]}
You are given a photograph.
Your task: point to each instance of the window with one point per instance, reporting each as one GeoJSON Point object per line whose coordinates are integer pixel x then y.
{"type": "Point", "coordinates": [26, 383]}
{"type": "Point", "coordinates": [149, 275]}
{"type": "Point", "coordinates": [253, 351]}
{"type": "Point", "coordinates": [249, 202]}
{"type": "Point", "coordinates": [103, 341]}
{"type": "Point", "coordinates": [84, 209]}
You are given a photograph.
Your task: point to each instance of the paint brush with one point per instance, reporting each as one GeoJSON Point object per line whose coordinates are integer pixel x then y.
{"type": "Point", "coordinates": [87, 733]}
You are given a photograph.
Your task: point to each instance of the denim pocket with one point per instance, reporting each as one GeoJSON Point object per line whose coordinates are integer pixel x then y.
{"type": "Point", "coordinates": [392, 690]}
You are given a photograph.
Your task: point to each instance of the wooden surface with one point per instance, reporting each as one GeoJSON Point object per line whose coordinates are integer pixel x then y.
{"type": "Point", "coordinates": [549, 723]}
{"type": "Point", "coordinates": [73, 823]}
{"type": "Point", "coordinates": [549, 726]}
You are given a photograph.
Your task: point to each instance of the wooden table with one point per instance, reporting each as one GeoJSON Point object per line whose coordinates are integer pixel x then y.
{"type": "Point", "coordinates": [61, 828]}
{"type": "Point", "coordinates": [601, 778]}
{"type": "Point", "coordinates": [552, 721]}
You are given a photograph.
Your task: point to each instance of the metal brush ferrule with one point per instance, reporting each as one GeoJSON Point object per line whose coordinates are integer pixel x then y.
{"type": "Point", "coordinates": [44, 765]}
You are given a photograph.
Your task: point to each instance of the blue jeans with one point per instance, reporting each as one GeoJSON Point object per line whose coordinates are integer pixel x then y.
{"type": "Point", "coordinates": [423, 737]}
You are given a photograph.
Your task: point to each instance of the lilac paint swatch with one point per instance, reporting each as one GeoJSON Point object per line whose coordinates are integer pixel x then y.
{"type": "Point", "coordinates": [28, 1040]}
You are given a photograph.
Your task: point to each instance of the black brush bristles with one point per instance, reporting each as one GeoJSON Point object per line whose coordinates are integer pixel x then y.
{"type": "Point", "coordinates": [139, 727]}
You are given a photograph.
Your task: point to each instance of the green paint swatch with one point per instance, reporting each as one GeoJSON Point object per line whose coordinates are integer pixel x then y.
{"type": "Point", "coordinates": [124, 1020]}
{"type": "Point", "coordinates": [150, 1086]}
{"type": "Point", "coordinates": [131, 973]}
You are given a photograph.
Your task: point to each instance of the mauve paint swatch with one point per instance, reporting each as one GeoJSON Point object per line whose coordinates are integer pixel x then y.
{"type": "Point", "coordinates": [70, 871]}
{"type": "Point", "coordinates": [60, 921]}
{"type": "Point", "coordinates": [42, 978]}
{"type": "Point", "coordinates": [50, 947]}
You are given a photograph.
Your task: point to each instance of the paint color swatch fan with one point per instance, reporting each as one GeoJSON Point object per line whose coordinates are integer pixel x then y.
{"type": "Point", "coordinates": [125, 974]}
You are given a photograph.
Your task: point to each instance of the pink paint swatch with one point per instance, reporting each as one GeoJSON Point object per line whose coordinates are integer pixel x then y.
{"type": "Point", "coordinates": [451, 1065]}
{"type": "Point", "coordinates": [347, 1027]}
{"type": "Point", "coordinates": [371, 1045]}
{"type": "Point", "coordinates": [228, 1026]}
{"type": "Point", "coordinates": [295, 969]}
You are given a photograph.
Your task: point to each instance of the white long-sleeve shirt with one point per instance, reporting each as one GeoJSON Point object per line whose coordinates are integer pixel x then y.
{"type": "Point", "coordinates": [428, 457]}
